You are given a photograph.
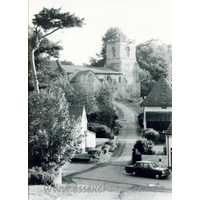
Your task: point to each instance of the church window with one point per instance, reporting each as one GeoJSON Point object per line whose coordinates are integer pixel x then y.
{"type": "Point", "coordinates": [127, 51]}
{"type": "Point", "coordinates": [120, 79]}
{"type": "Point", "coordinates": [113, 52]}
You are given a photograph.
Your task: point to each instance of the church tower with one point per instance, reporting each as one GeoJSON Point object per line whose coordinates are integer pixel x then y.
{"type": "Point", "coordinates": [121, 57]}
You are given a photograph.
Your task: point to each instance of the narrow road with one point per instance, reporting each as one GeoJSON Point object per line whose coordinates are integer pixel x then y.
{"type": "Point", "coordinates": [112, 172]}
{"type": "Point", "coordinates": [130, 128]}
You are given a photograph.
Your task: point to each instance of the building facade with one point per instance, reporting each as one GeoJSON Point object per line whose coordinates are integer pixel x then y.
{"type": "Point", "coordinates": [121, 57]}
{"type": "Point", "coordinates": [158, 106]}
{"type": "Point", "coordinates": [121, 67]}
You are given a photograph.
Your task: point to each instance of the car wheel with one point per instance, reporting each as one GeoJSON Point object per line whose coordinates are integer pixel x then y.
{"type": "Point", "coordinates": [157, 176]}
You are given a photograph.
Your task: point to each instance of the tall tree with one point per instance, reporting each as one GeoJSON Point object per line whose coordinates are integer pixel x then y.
{"type": "Point", "coordinates": [154, 57]}
{"type": "Point", "coordinates": [82, 96]}
{"type": "Point", "coordinates": [45, 23]}
{"type": "Point", "coordinates": [107, 112]}
{"type": "Point", "coordinates": [47, 50]}
{"type": "Point", "coordinates": [53, 137]}
{"type": "Point", "coordinates": [146, 81]}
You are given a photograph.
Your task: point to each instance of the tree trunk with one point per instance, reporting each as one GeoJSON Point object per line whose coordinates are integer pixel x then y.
{"type": "Point", "coordinates": [35, 79]}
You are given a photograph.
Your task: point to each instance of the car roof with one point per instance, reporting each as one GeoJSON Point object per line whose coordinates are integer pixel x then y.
{"type": "Point", "coordinates": [148, 161]}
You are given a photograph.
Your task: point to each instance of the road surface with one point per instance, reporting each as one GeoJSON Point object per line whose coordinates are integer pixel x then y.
{"type": "Point", "coordinates": [112, 172]}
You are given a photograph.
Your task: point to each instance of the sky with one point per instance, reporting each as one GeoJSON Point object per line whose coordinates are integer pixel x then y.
{"type": "Point", "coordinates": [139, 20]}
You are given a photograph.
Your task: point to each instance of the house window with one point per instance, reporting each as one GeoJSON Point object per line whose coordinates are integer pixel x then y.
{"type": "Point", "coordinates": [113, 52]}
{"type": "Point", "coordinates": [127, 51]}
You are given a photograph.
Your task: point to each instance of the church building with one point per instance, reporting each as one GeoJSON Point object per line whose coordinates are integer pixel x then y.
{"type": "Point", "coordinates": [120, 70]}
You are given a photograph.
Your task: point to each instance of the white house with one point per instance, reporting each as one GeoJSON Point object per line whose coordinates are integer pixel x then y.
{"type": "Point", "coordinates": [89, 138]}
{"type": "Point", "coordinates": [168, 135]}
{"type": "Point", "coordinates": [158, 106]}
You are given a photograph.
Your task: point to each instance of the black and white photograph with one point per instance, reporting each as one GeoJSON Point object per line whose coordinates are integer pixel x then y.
{"type": "Point", "coordinates": [100, 99]}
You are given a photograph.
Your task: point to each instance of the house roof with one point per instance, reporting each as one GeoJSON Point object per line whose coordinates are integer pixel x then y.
{"type": "Point", "coordinates": [70, 69]}
{"type": "Point", "coordinates": [76, 111]}
{"type": "Point", "coordinates": [90, 132]}
{"type": "Point", "coordinates": [80, 74]}
{"type": "Point", "coordinates": [160, 95]}
{"type": "Point", "coordinates": [169, 130]}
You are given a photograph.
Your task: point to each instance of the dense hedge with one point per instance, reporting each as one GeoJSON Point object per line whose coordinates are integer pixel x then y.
{"type": "Point", "coordinates": [36, 176]}
{"type": "Point", "coordinates": [101, 131]}
{"type": "Point", "coordinates": [144, 146]}
{"type": "Point", "coordinates": [151, 134]}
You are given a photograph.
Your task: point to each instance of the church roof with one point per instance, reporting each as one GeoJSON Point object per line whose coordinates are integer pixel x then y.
{"type": "Point", "coordinates": [96, 70]}
{"type": "Point", "coordinates": [71, 69]}
{"type": "Point", "coordinates": [76, 111]}
{"type": "Point", "coordinates": [160, 95]}
{"type": "Point", "coordinates": [80, 74]}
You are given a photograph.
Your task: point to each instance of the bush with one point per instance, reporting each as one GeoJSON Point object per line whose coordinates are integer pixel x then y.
{"type": "Point", "coordinates": [53, 137]}
{"type": "Point", "coordinates": [107, 117]}
{"type": "Point", "coordinates": [36, 176]}
{"type": "Point", "coordinates": [92, 117]}
{"type": "Point", "coordinates": [144, 146]}
{"type": "Point", "coordinates": [151, 134]}
{"type": "Point", "coordinates": [101, 131]}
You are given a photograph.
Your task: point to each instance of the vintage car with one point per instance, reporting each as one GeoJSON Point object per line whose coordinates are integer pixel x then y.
{"type": "Point", "coordinates": [148, 169]}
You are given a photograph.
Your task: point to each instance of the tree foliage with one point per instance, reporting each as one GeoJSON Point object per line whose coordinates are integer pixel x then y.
{"type": "Point", "coordinates": [53, 138]}
{"type": "Point", "coordinates": [82, 96]}
{"type": "Point", "coordinates": [106, 114]}
{"type": "Point", "coordinates": [46, 50]}
{"type": "Point", "coordinates": [52, 19]}
{"type": "Point", "coordinates": [154, 57]}
{"type": "Point", "coordinates": [101, 131]}
{"type": "Point", "coordinates": [104, 96]}
{"type": "Point", "coordinates": [65, 62]}
{"type": "Point", "coordinates": [144, 146]}
{"type": "Point", "coordinates": [146, 81]}
{"type": "Point", "coordinates": [71, 95]}
{"type": "Point", "coordinates": [45, 23]}
{"type": "Point", "coordinates": [151, 134]}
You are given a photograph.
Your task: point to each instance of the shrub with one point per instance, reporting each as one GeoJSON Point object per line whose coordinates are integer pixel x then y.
{"type": "Point", "coordinates": [101, 131]}
{"type": "Point", "coordinates": [151, 134]}
{"type": "Point", "coordinates": [92, 117]}
{"type": "Point", "coordinates": [53, 137]}
{"type": "Point", "coordinates": [144, 146]}
{"type": "Point", "coordinates": [36, 176]}
{"type": "Point", "coordinates": [107, 117]}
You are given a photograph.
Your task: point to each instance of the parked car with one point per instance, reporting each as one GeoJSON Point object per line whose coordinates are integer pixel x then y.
{"type": "Point", "coordinates": [148, 168]}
